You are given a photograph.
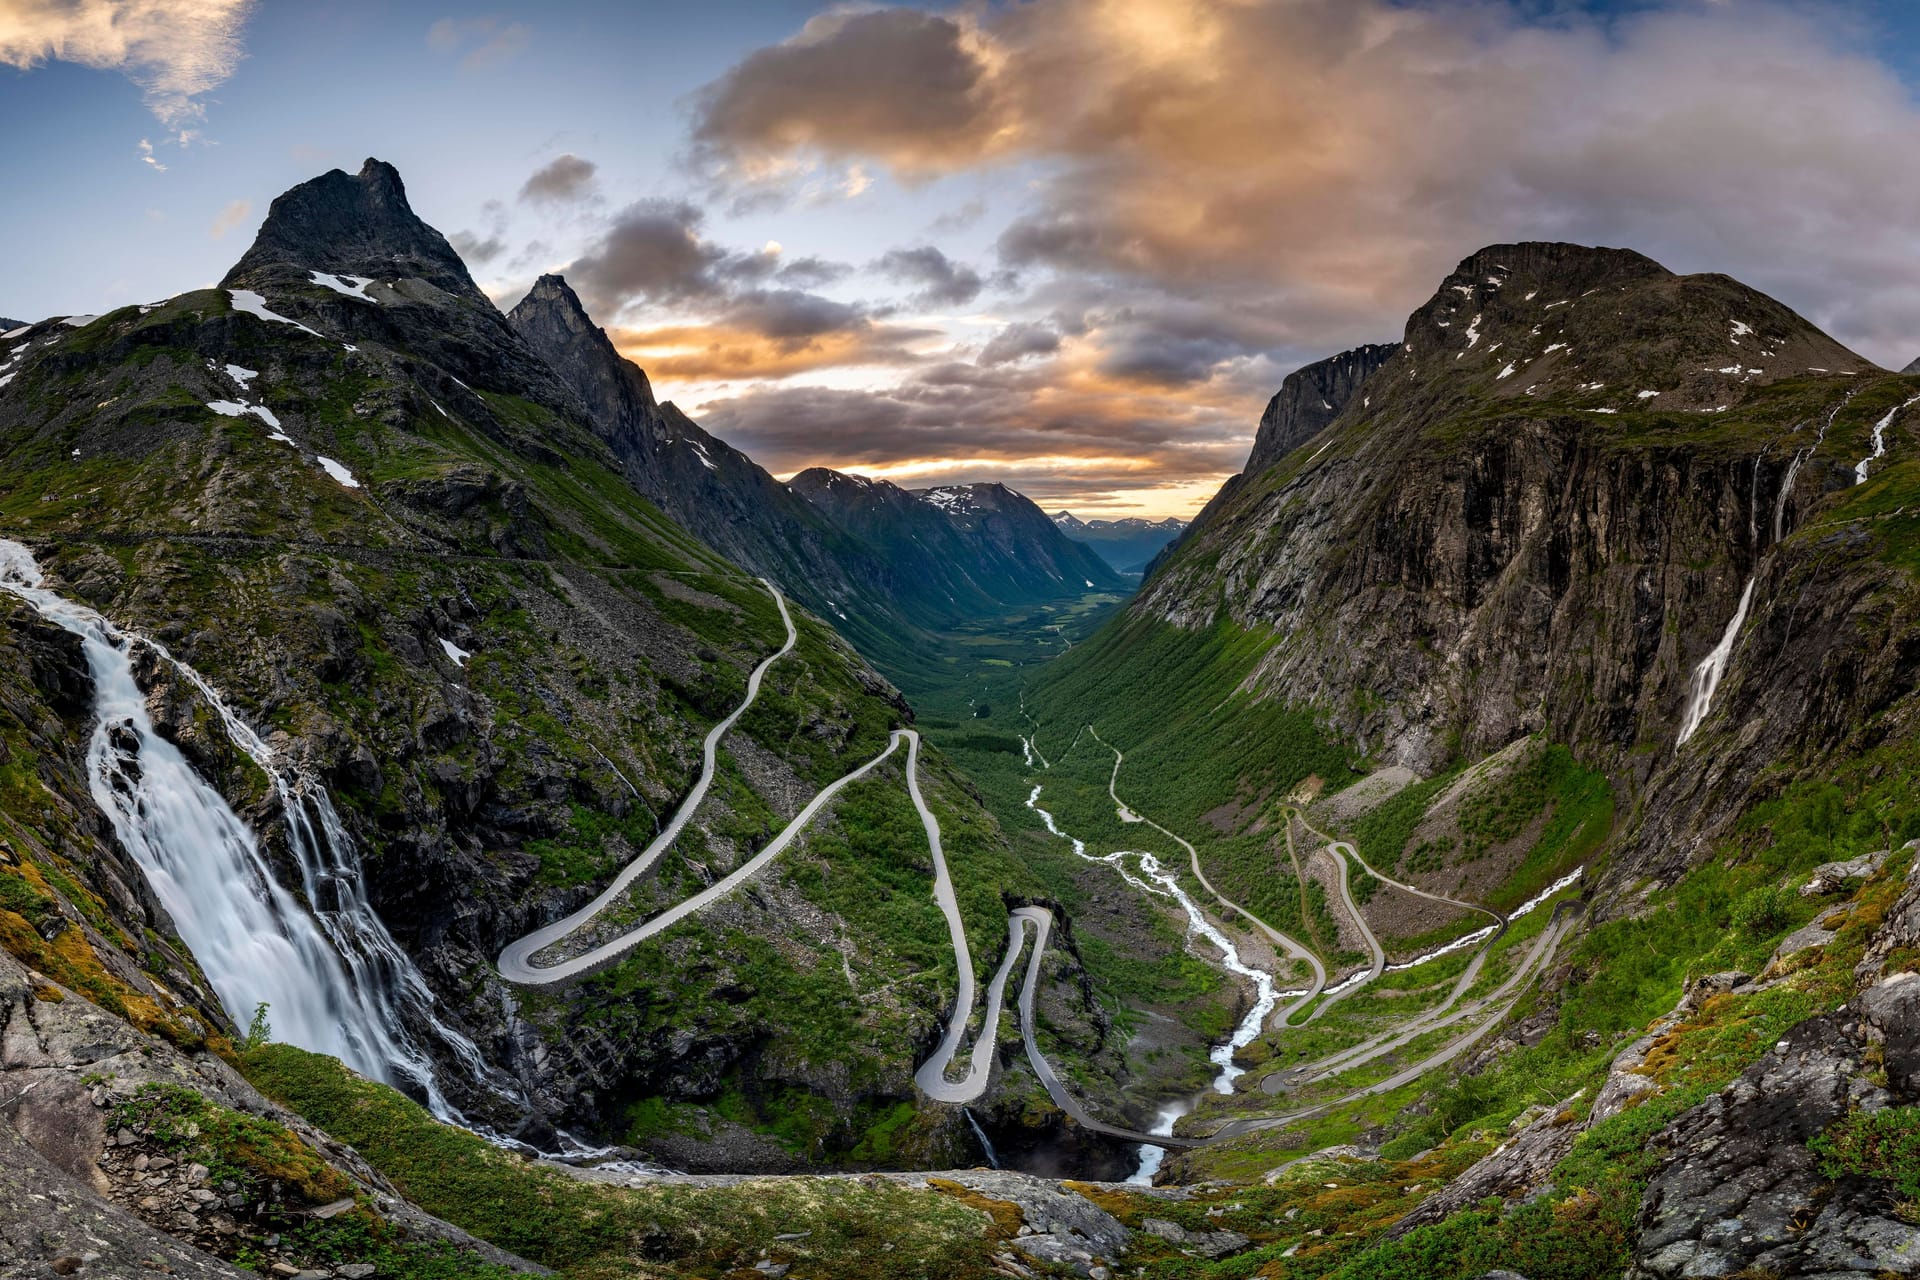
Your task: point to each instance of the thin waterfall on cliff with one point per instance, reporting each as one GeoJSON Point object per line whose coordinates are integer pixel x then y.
{"type": "Point", "coordinates": [1706, 676]}
{"type": "Point", "coordinates": [335, 979]}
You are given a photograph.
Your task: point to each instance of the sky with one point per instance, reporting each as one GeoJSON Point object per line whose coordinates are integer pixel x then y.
{"type": "Point", "coordinates": [1070, 245]}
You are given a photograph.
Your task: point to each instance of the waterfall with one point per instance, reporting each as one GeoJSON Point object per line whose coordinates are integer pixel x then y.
{"type": "Point", "coordinates": [1706, 676]}
{"type": "Point", "coordinates": [1879, 442]}
{"type": "Point", "coordinates": [986, 1143]}
{"type": "Point", "coordinates": [335, 979]}
{"type": "Point", "coordinates": [1793, 469]}
{"type": "Point", "coordinates": [1152, 1157]}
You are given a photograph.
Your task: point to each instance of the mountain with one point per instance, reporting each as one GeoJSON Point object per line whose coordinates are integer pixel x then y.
{"type": "Point", "coordinates": [1127, 544]}
{"type": "Point", "coordinates": [888, 571]}
{"type": "Point", "coordinates": [356, 598]}
{"type": "Point", "coordinates": [1601, 585]}
{"type": "Point", "coordinates": [1310, 398]}
{"type": "Point", "coordinates": [959, 551]}
{"type": "Point", "coordinates": [1913, 366]}
{"type": "Point", "coordinates": [8, 326]}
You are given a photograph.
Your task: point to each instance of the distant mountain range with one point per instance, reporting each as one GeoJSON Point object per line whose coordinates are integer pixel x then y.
{"type": "Point", "coordinates": [1128, 545]}
{"type": "Point", "coordinates": [885, 564]}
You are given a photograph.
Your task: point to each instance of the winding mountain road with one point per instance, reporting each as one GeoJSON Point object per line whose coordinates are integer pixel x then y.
{"type": "Point", "coordinates": [1377, 954]}
{"type": "Point", "coordinates": [516, 961]}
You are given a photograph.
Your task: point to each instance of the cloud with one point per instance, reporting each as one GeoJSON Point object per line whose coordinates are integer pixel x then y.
{"type": "Point", "coordinates": [653, 251]}
{"type": "Point", "coordinates": [959, 219]}
{"type": "Point", "coordinates": [1059, 429]}
{"type": "Point", "coordinates": [1339, 156]}
{"type": "Point", "coordinates": [1018, 342]}
{"type": "Point", "coordinates": [484, 246]}
{"type": "Point", "coordinates": [909, 89]}
{"type": "Point", "coordinates": [175, 50]}
{"type": "Point", "coordinates": [942, 281]}
{"type": "Point", "coordinates": [481, 42]}
{"type": "Point", "coordinates": [230, 217]}
{"type": "Point", "coordinates": [147, 156]}
{"type": "Point", "coordinates": [564, 179]}
{"type": "Point", "coordinates": [741, 347]}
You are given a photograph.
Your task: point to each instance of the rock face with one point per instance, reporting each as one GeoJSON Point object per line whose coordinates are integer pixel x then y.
{"type": "Point", "coordinates": [1744, 1193]}
{"type": "Point", "coordinates": [1504, 535]}
{"type": "Point", "coordinates": [1310, 399]}
{"type": "Point", "coordinates": [359, 225]}
{"type": "Point", "coordinates": [391, 281]}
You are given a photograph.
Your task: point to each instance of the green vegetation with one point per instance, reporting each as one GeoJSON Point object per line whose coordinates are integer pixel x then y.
{"type": "Point", "coordinates": [1876, 1144]}
{"type": "Point", "coordinates": [592, 1231]}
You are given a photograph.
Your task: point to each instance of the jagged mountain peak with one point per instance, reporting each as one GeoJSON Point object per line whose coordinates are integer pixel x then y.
{"type": "Point", "coordinates": [553, 320]}
{"type": "Point", "coordinates": [352, 224]}
{"type": "Point", "coordinates": [1310, 398]}
{"type": "Point", "coordinates": [1608, 330]}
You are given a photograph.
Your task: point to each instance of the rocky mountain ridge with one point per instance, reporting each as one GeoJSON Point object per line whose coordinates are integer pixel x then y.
{"type": "Point", "coordinates": [845, 561]}
{"type": "Point", "coordinates": [958, 551]}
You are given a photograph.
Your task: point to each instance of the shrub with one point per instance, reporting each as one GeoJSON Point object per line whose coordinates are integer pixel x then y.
{"type": "Point", "coordinates": [1764, 911]}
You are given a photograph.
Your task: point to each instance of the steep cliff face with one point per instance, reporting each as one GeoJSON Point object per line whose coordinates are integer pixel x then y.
{"type": "Point", "coordinates": [1541, 511]}
{"type": "Point", "coordinates": [1310, 398]}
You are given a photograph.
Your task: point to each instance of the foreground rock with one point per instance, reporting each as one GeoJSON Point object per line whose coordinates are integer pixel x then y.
{"type": "Point", "coordinates": [82, 1194]}
{"type": "Point", "coordinates": [1743, 1193]}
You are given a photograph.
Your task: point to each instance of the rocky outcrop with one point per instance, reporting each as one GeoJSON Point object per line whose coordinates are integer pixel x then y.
{"type": "Point", "coordinates": [81, 1194]}
{"type": "Point", "coordinates": [346, 255]}
{"type": "Point", "coordinates": [1542, 1137]}
{"type": "Point", "coordinates": [354, 224]}
{"type": "Point", "coordinates": [1310, 398]}
{"type": "Point", "coordinates": [1742, 1192]}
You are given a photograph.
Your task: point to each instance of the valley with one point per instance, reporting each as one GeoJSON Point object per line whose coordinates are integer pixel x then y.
{"type": "Point", "coordinates": [485, 823]}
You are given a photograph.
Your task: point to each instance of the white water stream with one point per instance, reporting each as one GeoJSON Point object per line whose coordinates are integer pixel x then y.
{"type": "Point", "coordinates": [1879, 442]}
{"type": "Point", "coordinates": [1706, 676]}
{"type": "Point", "coordinates": [1162, 883]}
{"type": "Point", "coordinates": [335, 979]}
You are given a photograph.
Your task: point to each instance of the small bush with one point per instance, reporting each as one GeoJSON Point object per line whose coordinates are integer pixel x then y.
{"type": "Point", "coordinates": [1761, 912]}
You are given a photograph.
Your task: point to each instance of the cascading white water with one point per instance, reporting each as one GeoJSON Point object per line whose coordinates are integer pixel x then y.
{"type": "Point", "coordinates": [1793, 467]}
{"type": "Point", "coordinates": [1267, 993]}
{"type": "Point", "coordinates": [1879, 441]}
{"type": "Point", "coordinates": [334, 977]}
{"type": "Point", "coordinates": [980, 1135]}
{"type": "Point", "coordinates": [1706, 676]}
